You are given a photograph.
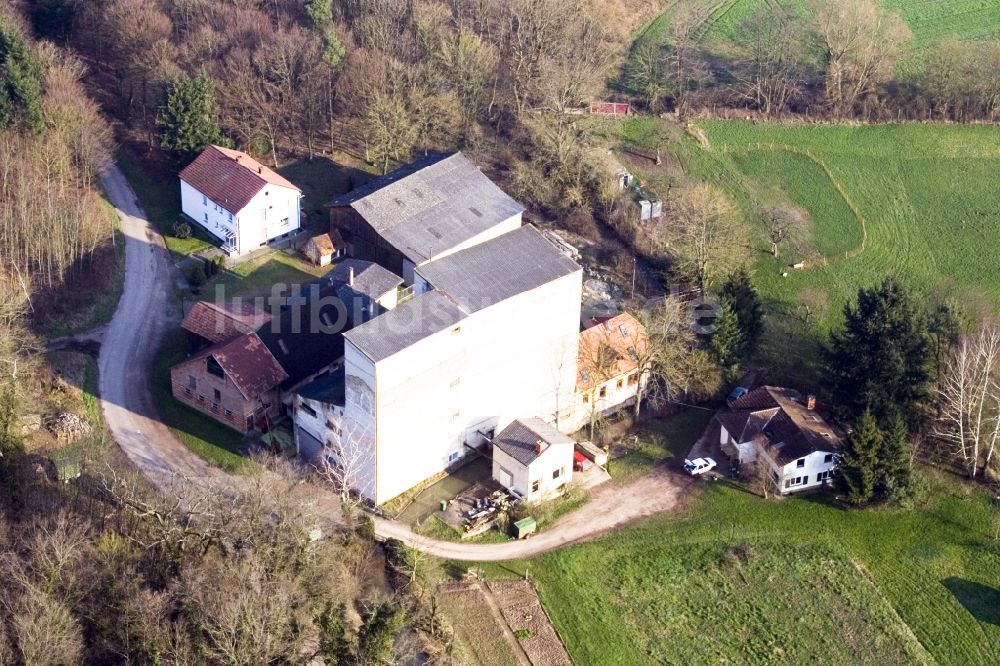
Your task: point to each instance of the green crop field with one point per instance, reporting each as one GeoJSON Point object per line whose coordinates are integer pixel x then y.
{"type": "Point", "coordinates": [737, 579]}
{"type": "Point", "coordinates": [930, 21]}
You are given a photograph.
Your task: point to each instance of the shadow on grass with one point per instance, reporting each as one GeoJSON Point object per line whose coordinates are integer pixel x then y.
{"type": "Point", "coordinates": [982, 601]}
{"type": "Point", "coordinates": [205, 436]}
{"type": "Point", "coordinates": [320, 180]}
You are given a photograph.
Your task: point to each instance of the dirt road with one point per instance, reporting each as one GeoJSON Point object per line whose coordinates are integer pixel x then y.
{"type": "Point", "coordinates": [129, 345]}
{"type": "Point", "coordinates": [610, 507]}
{"type": "Point", "coordinates": [126, 360]}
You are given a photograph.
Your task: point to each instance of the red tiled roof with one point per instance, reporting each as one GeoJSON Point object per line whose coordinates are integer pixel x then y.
{"type": "Point", "coordinates": [248, 363]}
{"type": "Point", "coordinates": [219, 323]}
{"type": "Point", "coordinates": [229, 177]}
{"type": "Point", "coordinates": [610, 349]}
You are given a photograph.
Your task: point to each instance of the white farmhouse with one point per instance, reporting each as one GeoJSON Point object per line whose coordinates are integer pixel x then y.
{"type": "Point", "coordinates": [533, 459]}
{"type": "Point", "coordinates": [778, 426]}
{"type": "Point", "coordinates": [239, 201]}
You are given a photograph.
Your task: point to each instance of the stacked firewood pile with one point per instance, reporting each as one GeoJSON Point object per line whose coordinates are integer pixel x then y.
{"type": "Point", "coordinates": [486, 510]}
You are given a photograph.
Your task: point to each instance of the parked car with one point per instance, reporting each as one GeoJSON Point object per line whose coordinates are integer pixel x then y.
{"type": "Point", "coordinates": [698, 466]}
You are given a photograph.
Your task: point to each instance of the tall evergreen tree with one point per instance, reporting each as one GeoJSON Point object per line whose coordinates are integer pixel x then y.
{"type": "Point", "coordinates": [188, 120]}
{"type": "Point", "coordinates": [726, 343]}
{"type": "Point", "coordinates": [20, 83]}
{"type": "Point", "coordinates": [944, 329]}
{"type": "Point", "coordinates": [376, 635]}
{"type": "Point", "coordinates": [742, 296]}
{"type": "Point", "coordinates": [894, 473]}
{"type": "Point", "coordinates": [334, 641]}
{"type": "Point", "coordinates": [880, 361]}
{"type": "Point", "coordinates": [857, 470]}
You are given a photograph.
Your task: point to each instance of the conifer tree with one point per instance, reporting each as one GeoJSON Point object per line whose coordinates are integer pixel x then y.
{"type": "Point", "coordinates": [727, 341]}
{"type": "Point", "coordinates": [894, 474]}
{"type": "Point", "coordinates": [857, 470]}
{"type": "Point", "coordinates": [881, 360]}
{"type": "Point", "coordinates": [189, 120]}
{"type": "Point", "coordinates": [742, 296]}
{"type": "Point", "coordinates": [20, 83]}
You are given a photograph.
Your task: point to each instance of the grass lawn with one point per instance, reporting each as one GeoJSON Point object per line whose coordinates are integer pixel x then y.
{"type": "Point", "coordinates": [160, 196]}
{"type": "Point", "coordinates": [926, 196]}
{"type": "Point", "coordinates": [659, 440]}
{"type": "Point", "coordinates": [207, 437]}
{"type": "Point", "coordinates": [258, 276]}
{"type": "Point", "coordinates": [930, 22]}
{"type": "Point", "coordinates": [737, 579]}
{"type": "Point", "coordinates": [320, 180]}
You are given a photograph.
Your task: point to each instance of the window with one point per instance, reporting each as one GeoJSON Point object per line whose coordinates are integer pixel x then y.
{"type": "Point", "coordinates": [217, 395]}
{"type": "Point", "coordinates": [214, 368]}
{"type": "Point", "coordinates": [633, 353]}
{"type": "Point", "coordinates": [192, 381]}
{"type": "Point", "coordinates": [556, 473]}
{"type": "Point", "coordinates": [308, 410]}
{"type": "Point", "coordinates": [828, 458]}
{"type": "Point", "coordinates": [456, 330]}
{"type": "Point", "coordinates": [206, 216]}
{"type": "Point", "coordinates": [624, 330]}
{"type": "Point", "coordinates": [453, 456]}
{"type": "Point", "coordinates": [633, 379]}
{"type": "Point", "coordinates": [586, 398]}
{"type": "Point", "coordinates": [201, 398]}
{"type": "Point", "coordinates": [822, 476]}
{"type": "Point", "coordinates": [230, 217]}
{"type": "Point", "coordinates": [801, 462]}
{"type": "Point", "coordinates": [620, 383]}
{"type": "Point", "coordinates": [187, 391]}
{"type": "Point", "coordinates": [455, 416]}
{"type": "Point", "coordinates": [204, 200]}
{"type": "Point", "coordinates": [285, 222]}
{"type": "Point", "coordinates": [604, 391]}
{"type": "Point", "coordinates": [229, 413]}
{"type": "Point", "coordinates": [534, 486]}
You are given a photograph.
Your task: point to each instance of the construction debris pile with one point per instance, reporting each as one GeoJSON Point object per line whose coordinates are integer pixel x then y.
{"type": "Point", "coordinates": [485, 511]}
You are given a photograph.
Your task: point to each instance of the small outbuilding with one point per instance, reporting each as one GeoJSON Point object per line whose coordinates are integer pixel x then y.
{"type": "Point", "coordinates": [532, 459]}
{"type": "Point", "coordinates": [324, 248]}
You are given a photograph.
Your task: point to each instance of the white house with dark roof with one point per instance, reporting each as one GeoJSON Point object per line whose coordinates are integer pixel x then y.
{"type": "Point", "coordinates": [532, 458]}
{"type": "Point", "coordinates": [784, 429]}
{"type": "Point", "coordinates": [423, 211]}
{"type": "Point", "coordinates": [238, 200]}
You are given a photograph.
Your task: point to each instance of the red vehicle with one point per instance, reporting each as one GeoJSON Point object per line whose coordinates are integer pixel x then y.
{"type": "Point", "coordinates": [581, 463]}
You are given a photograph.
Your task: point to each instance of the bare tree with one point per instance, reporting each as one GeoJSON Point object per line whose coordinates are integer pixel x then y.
{"type": "Point", "coordinates": [969, 400]}
{"type": "Point", "coordinates": [345, 463]}
{"type": "Point", "coordinates": [679, 368]}
{"type": "Point", "coordinates": [773, 58]}
{"type": "Point", "coordinates": [703, 234]}
{"type": "Point", "coordinates": [861, 42]}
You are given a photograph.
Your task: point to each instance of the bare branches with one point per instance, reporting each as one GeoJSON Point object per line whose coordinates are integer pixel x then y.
{"type": "Point", "coordinates": [969, 400]}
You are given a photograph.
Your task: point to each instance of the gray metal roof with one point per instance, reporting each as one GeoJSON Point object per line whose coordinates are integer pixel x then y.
{"type": "Point", "coordinates": [432, 205]}
{"type": "Point", "coordinates": [405, 325]}
{"type": "Point", "coordinates": [498, 269]}
{"type": "Point", "coordinates": [370, 279]}
{"type": "Point", "coordinates": [518, 439]}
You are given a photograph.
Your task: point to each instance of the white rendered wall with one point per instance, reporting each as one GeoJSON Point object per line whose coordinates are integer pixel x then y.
{"type": "Point", "coordinates": [260, 220]}
{"type": "Point", "coordinates": [216, 220]}
{"type": "Point", "coordinates": [814, 464]}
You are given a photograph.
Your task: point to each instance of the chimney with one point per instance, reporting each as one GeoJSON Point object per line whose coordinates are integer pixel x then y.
{"type": "Point", "coordinates": [260, 169]}
{"type": "Point", "coordinates": [811, 402]}
{"type": "Point", "coordinates": [350, 276]}
{"type": "Point", "coordinates": [538, 446]}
